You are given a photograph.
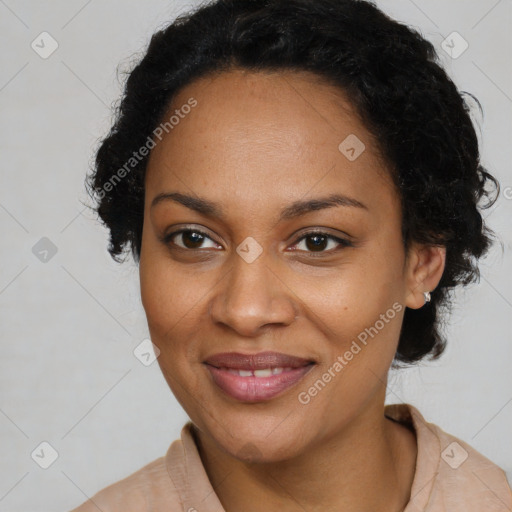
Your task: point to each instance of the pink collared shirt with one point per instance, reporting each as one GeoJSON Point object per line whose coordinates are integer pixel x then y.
{"type": "Point", "coordinates": [450, 476]}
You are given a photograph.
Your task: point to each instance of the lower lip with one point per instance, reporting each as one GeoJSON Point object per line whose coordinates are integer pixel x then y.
{"type": "Point", "coordinates": [255, 389]}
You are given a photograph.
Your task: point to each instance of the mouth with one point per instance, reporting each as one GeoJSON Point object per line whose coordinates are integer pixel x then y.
{"type": "Point", "coordinates": [256, 377]}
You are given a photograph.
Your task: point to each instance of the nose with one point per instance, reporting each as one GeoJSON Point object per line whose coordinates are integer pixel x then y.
{"type": "Point", "coordinates": [251, 297]}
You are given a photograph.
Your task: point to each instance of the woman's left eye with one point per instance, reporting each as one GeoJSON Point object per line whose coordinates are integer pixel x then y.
{"type": "Point", "coordinates": [317, 242]}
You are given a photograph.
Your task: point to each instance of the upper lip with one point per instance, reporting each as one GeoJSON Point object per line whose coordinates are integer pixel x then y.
{"type": "Point", "coordinates": [257, 361]}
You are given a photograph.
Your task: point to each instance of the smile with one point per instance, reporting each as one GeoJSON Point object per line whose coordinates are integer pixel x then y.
{"type": "Point", "coordinates": [266, 372]}
{"type": "Point", "coordinates": [257, 385]}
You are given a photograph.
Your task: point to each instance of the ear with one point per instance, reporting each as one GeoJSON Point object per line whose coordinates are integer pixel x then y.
{"type": "Point", "coordinates": [424, 269]}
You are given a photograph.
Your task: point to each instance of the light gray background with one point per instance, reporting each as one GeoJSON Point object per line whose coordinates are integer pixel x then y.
{"type": "Point", "coordinates": [69, 326]}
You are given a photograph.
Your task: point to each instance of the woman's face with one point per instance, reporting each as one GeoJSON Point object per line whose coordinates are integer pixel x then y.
{"type": "Point", "coordinates": [246, 148]}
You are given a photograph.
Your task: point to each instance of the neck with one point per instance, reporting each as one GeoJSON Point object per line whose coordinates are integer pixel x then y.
{"type": "Point", "coordinates": [368, 465]}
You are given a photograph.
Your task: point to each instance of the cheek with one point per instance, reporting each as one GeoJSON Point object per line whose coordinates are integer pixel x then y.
{"type": "Point", "coordinates": [354, 297]}
{"type": "Point", "coordinates": [360, 312]}
{"type": "Point", "coordinates": [362, 328]}
{"type": "Point", "coordinates": [173, 300]}
{"type": "Point", "coordinates": [168, 295]}
{"type": "Point", "coordinates": [171, 317]}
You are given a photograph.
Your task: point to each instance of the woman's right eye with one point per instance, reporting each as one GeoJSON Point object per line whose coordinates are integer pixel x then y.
{"type": "Point", "coordinates": [191, 239]}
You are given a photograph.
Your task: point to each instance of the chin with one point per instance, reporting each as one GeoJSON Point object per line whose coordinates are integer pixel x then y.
{"type": "Point", "coordinates": [253, 444]}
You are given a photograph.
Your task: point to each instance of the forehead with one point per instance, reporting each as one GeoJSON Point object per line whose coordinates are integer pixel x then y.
{"type": "Point", "coordinates": [281, 134]}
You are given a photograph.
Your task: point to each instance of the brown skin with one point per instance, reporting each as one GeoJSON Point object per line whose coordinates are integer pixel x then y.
{"type": "Point", "coordinates": [254, 143]}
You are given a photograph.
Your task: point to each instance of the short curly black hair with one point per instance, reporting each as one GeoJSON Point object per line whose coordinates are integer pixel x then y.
{"type": "Point", "coordinates": [393, 77]}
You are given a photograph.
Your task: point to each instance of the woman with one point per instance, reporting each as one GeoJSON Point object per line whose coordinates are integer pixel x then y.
{"type": "Point", "coordinates": [300, 184]}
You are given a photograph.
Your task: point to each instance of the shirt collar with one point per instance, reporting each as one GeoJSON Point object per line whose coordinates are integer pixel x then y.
{"type": "Point", "coordinates": [428, 454]}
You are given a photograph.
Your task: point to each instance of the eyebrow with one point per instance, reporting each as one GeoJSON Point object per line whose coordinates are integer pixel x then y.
{"type": "Point", "coordinates": [295, 209]}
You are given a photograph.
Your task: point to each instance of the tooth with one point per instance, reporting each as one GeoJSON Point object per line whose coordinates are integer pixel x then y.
{"type": "Point", "coordinates": [267, 372]}
{"type": "Point", "coordinates": [244, 373]}
{"type": "Point", "coordinates": [276, 371]}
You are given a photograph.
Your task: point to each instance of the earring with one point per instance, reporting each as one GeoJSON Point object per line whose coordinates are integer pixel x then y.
{"type": "Point", "coordinates": [426, 296]}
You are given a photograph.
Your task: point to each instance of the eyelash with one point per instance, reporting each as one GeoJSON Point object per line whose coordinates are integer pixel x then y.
{"type": "Point", "coordinates": [341, 241]}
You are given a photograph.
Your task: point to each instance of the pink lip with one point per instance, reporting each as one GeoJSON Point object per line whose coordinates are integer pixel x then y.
{"type": "Point", "coordinates": [255, 389]}
{"type": "Point", "coordinates": [257, 361]}
{"type": "Point", "coordinates": [252, 388]}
